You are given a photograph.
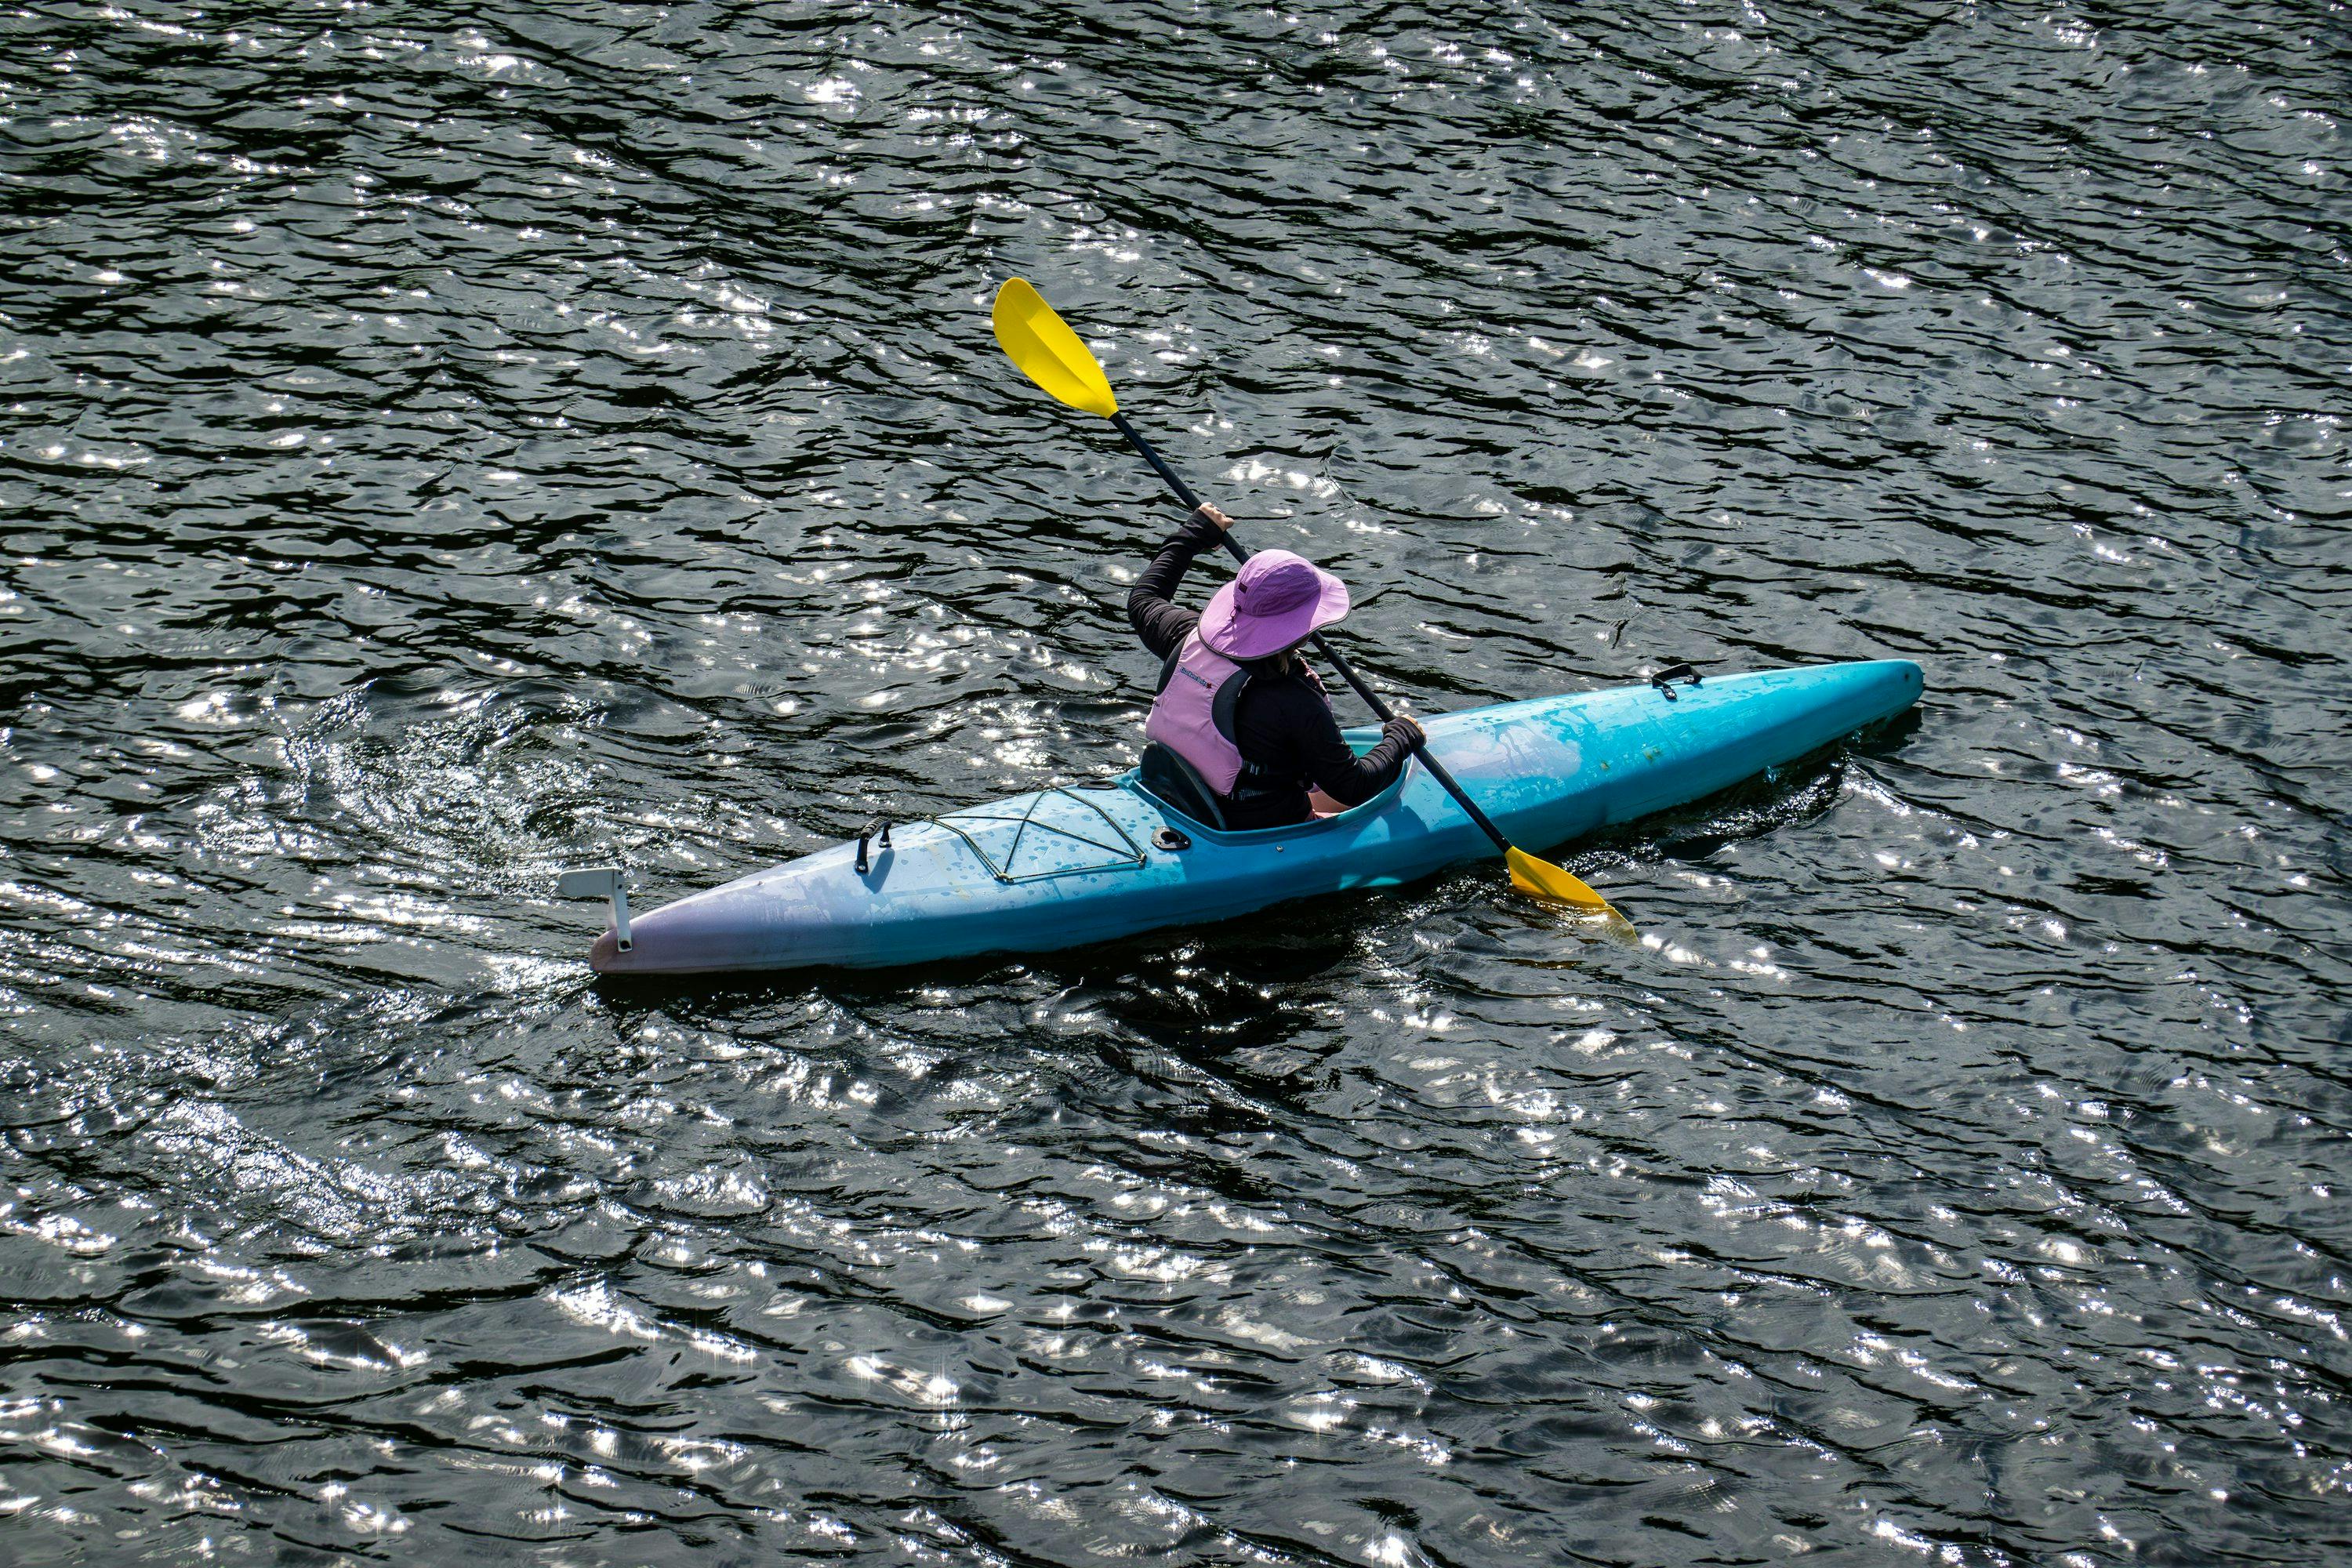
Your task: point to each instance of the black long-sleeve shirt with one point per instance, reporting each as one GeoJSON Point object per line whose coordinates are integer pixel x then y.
{"type": "Point", "coordinates": [1283, 722]}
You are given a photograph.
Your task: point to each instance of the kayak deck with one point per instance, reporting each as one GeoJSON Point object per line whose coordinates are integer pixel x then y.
{"type": "Point", "coordinates": [1098, 860]}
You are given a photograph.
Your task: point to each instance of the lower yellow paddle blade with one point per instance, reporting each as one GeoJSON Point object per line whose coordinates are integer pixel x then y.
{"type": "Point", "coordinates": [1546, 881]}
{"type": "Point", "coordinates": [1047, 351]}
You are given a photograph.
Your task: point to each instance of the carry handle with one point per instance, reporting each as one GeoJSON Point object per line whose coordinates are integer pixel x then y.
{"type": "Point", "coordinates": [878, 827]}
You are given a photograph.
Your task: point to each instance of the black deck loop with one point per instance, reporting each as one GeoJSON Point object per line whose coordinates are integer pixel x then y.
{"type": "Point", "coordinates": [1681, 671]}
{"type": "Point", "coordinates": [878, 827]}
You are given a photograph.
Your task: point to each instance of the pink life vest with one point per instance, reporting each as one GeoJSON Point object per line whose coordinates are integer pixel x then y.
{"type": "Point", "coordinates": [1200, 687]}
{"type": "Point", "coordinates": [1193, 716]}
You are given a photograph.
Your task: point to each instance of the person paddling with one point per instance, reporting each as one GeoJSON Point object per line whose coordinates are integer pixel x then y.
{"type": "Point", "coordinates": [1237, 708]}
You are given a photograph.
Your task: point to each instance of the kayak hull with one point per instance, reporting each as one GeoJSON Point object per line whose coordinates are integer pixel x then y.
{"type": "Point", "coordinates": [1067, 866]}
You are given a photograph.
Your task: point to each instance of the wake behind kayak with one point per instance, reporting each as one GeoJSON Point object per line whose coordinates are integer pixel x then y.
{"type": "Point", "coordinates": [1066, 866]}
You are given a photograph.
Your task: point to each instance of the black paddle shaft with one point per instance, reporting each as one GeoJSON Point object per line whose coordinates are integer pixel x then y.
{"type": "Point", "coordinates": [1347, 671]}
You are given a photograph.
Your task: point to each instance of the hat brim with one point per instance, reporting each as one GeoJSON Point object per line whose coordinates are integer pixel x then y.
{"type": "Point", "coordinates": [1237, 635]}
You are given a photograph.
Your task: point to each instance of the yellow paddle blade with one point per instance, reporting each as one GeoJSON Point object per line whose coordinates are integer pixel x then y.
{"type": "Point", "coordinates": [1546, 881]}
{"type": "Point", "coordinates": [1047, 351]}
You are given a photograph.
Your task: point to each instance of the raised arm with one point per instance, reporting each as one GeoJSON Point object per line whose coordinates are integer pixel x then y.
{"type": "Point", "coordinates": [1150, 609]}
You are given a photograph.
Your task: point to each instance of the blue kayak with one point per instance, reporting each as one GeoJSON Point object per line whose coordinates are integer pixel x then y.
{"type": "Point", "coordinates": [1091, 862]}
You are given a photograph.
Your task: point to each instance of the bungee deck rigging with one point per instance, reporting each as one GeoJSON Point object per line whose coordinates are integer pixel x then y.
{"type": "Point", "coordinates": [1126, 852]}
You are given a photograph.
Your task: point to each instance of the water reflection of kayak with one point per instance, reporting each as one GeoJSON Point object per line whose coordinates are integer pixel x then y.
{"type": "Point", "coordinates": [1091, 862]}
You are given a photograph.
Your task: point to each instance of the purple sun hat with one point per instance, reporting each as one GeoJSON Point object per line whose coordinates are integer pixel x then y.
{"type": "Point", "coordinates": [1276, 599]}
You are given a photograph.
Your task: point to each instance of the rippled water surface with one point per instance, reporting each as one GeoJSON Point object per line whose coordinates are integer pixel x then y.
{"type": "Point", "coordinates": [439, 445]}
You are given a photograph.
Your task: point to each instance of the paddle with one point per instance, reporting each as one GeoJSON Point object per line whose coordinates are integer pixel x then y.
{"type": "Point", "coordinates": [1050, 354]}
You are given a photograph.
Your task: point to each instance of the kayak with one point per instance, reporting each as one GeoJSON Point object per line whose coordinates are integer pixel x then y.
{"type": "Point", "coordinates": [1105, 858]}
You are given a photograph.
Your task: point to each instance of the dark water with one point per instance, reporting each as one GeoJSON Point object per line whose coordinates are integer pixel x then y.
{"type": "Point", "coordinates": [437, 446]}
